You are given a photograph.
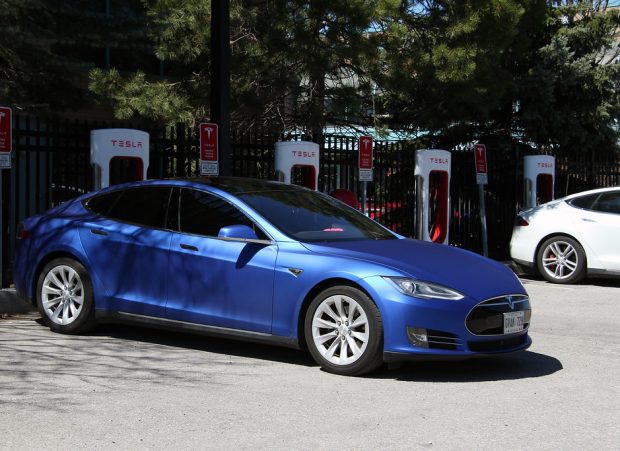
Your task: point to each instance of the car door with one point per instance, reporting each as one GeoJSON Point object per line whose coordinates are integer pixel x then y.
{"type": "Point", "coordinates": [599, 225]}
{"type": "Point", "coordinates": [214, 281]}
{"type": "Point", "coordinates": [127, 247]}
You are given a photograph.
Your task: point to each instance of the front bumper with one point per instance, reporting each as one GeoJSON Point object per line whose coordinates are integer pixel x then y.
{"type": "Point", "coordinates": [455, 329]}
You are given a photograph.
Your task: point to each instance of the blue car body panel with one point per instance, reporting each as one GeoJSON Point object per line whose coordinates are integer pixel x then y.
{"type": "Point", "coordinates": [221, 283]}
{"type": "Point", "coordinates": [263, 286]}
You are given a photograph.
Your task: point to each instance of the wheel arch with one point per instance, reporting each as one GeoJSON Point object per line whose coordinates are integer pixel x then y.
{"type": "Point", "coordinates": [314, 291]}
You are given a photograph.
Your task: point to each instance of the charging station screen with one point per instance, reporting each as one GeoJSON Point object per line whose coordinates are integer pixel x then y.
{"type": "Point", "coordinates": [123, 169]}
{"type": "Point", "coordinates": [438, 206]}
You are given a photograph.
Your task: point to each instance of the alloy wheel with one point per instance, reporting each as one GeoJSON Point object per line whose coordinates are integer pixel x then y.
{"type": "Point", "coordinates": [340, 330]}
{"type": "Point", "coordinates": [560, 260]}
{"type": "Point", "coordinates": [62, 295]}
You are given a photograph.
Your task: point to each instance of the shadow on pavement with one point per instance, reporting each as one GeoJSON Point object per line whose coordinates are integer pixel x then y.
{"type": "Point", "coordinates": [520, 365]}
{"type": "Point", "coordinates": [206, 343]}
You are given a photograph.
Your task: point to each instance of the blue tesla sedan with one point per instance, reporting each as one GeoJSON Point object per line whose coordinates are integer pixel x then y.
{"type": "Point", "coordinates": [266, 262]}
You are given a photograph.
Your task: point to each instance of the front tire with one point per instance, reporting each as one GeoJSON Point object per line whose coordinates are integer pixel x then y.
{"type": "Point", "coordinates": [344, 331]}
{"type": "Point", "coordinates": [65, 297]}
{"type": "Point", "coordinates": [561, 259]}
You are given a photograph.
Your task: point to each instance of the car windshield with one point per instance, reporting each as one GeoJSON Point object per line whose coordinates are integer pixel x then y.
{"type": "Point", "coordinates": [310, 216]}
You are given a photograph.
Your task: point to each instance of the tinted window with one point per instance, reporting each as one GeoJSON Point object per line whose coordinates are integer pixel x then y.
{"type": "Point", "coordinates": [310, 216]}
{"type": "Point", "coordinates": [603, 202]}
{"type": "Point", "coordinates": [103, 203]}
{"type": "Point", "coordinates": [144, 206]}
{"type": "Point", "coordinates": [205, 214]}
{"type": "Point", "coordinates": [608, 203]}
{"type": "Point", "coordinates": [585, 202]}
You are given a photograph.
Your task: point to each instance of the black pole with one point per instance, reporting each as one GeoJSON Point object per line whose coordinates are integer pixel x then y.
{"type": "Point", "coordinates": [220, 79]}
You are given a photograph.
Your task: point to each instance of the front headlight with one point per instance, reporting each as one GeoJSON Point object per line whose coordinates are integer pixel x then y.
{"type": "Point", "coordinates": [424, 290]}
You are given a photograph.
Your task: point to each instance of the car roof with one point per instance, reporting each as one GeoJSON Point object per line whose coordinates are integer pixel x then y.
{"type": "Point", "coordinates": [241, 185]}
{"type": "Point", "coordinates": [592, 191]}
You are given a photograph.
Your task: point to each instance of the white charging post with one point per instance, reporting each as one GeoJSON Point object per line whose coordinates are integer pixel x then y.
{"type": "Point", "coordinates": [432, 211]}
{"type": "Point", "coordinates": [113, 144]}
{"type": "Point", "coordinates": [538, 179]}
{"type": "Point", "coordinates": [297, 154]}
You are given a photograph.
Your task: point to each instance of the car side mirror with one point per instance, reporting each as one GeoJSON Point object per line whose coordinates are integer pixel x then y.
{"type": "Point", "coordinates": [237, 231]}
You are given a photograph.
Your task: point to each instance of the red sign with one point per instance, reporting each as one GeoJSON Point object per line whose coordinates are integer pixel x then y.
{"type": "Point", "coordinates": [208, 142]}
{"type": "Point", "coordinates": [6, 142]}
{"type": "Point", "coordinates": [480, 152]}
{"type": "Point", "coordinates": [365, 149]}
{"type": "Point", "coordinates": [481, 159]}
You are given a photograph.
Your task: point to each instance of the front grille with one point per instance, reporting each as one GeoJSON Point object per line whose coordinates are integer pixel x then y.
{"type": "Point", "coordinates": [496, 345]}
{"type": "Point", "coordinates": [442, 340]}
{"type": "Point", "coordinates": [487, 317]}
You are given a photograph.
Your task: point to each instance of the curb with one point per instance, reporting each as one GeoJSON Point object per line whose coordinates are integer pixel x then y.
{"type": "Point", "coordinates": [11, 304]}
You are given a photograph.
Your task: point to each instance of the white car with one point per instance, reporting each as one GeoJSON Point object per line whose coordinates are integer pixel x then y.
{"type": "Point", "coordinates": [569, 238]}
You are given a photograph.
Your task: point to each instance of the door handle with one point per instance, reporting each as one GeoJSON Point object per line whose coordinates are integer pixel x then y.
{"type": "Point", "coordinates": [587, 220]}
{"type": "Point", "coordinates": [99, 232]}
{"type": "Point", "coordinates": [189, 247]}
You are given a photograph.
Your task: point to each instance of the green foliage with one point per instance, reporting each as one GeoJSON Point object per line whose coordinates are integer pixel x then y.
{"type": "Point", "coordinates": [46, 48]}
{"type": "Point", "coordinates": [290, 59]}
{"type": "Point", "coordinates": [569, 98]}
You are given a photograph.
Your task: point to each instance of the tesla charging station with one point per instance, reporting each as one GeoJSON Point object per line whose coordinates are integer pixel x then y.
{"type": "Point", "coordinates": [432, 213]}
{"type": "Point", "coordinates": [298, 162]}
{"type": "Point", "coordinates": [538, 179]}
{"type": "Point", "coordinates": [118, 155]}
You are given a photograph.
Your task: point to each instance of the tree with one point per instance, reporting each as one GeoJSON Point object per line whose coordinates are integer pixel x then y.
{"type": "Point", "coordinates": [528, 70]}
{"type": "Point", "coordinates": [295, 64]}
{"type": "Point", "coordinates": [46, 45]}
{"type": "Point", "coordinates": [449, 66]}
{"type": "Point", "coordinates": [570, 98]}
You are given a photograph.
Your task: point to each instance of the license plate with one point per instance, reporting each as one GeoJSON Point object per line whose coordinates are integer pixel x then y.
{"type": "Point", "coordinates": [513, 322]}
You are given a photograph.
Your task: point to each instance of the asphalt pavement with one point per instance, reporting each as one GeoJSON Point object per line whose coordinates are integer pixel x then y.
{"type": "Point", "coordinates": [128, 388]}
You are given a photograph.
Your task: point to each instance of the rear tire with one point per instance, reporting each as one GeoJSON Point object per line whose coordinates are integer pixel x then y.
{"type": "Point", "coordinates": [561, 259]}
{"type": "Point", "coordinates": [65, 297]}
{"type": "Point", "coordinates": [344, 331]}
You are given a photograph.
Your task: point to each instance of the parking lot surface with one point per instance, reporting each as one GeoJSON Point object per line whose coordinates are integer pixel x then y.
{"type": "Point", "coordinates": [128, 388]}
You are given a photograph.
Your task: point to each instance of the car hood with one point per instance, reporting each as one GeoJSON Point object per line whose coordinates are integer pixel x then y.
{"type": "Point", "coordinates": [469, 273]}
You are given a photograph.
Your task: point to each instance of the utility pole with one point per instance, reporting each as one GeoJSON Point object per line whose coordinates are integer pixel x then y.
{"type": "Point", "coordinates": [220, 79]}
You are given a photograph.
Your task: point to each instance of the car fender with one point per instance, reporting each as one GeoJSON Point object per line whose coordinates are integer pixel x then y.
{"type": "Point", "coordinates": [293, 293]}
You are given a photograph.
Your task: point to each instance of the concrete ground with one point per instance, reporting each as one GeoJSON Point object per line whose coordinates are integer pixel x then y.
{"type": "Point", "coordinates": [129, 388]}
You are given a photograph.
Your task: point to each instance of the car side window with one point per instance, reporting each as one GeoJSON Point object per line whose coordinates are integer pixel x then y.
{"type": "Point", "coordinates": [103, 203]}
{"type": "Point", "coordinates": [585, 202]}
{"type": "Point", "coordinates": [146, 206]}
{"type": "Point", "coordinates": [201, 213]}
{"type": "Point", "coordinates": [608, 203]}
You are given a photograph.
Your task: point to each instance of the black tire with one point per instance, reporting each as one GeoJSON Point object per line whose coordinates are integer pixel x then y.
{"type": "Point", "coordinates": [561, 259]}
{"type": "Point", "coordinates": [58, 302]}
{"type": "Point", "coordinates": [364, 336]}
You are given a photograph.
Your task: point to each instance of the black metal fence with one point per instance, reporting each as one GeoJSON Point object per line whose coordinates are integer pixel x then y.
{"type": "Point", "coordinates": [52, 164]}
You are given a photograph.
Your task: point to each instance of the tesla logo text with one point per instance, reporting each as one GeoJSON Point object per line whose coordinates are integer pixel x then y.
{"type": "Point", "coordinates": [435, 160]}
{"type": "Point", "coordinates": [126, 143]}
{"type": "Point", "coordinates": [545, 165]}
{"type": "Point", "coordinates": [303, 154]}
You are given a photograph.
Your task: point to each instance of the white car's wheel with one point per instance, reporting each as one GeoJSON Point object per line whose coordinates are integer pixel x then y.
{"type": "Point", "coordinates": [65, 296]}
{"type": "Point", "coordinates": [561, 260]}
{"type": "Point", "coordinates": [344, 332]}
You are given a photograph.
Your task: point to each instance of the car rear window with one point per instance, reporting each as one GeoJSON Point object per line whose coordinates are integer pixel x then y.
{"type": "Point", "coordinates": [146, 206]}
{"type": "Point", "coordinates": [585, 202]}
